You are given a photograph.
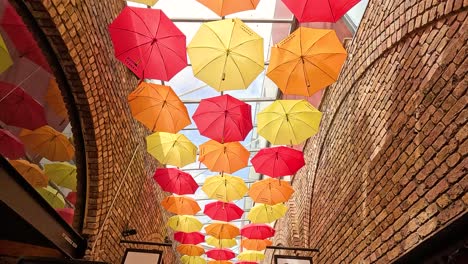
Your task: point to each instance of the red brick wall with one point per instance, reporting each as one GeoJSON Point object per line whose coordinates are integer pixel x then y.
{"type": "Point", "coordinates": [388, 168]}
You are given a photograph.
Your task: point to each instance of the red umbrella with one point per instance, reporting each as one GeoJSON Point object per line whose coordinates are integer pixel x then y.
{"type": "Point", "coordinates": [19, 109]}
{"type": "Point", "coordinates": [319, 10]}
{"type": "Point", "coordinates": [278, 161]}
{"type": "Point", "coordinates": [71, 197]}
{"type": "Point", "coordinates": [223, 211]}
{"type": "Point", "coordinates": [189, 238]}
{"type": "Point", "coordinates": [67, 214]}
{"type": "Point", "coordinates": [220, 254]}
{"type": "Point", "coordinates": [223, 118]}
{"type": "Point", "coordinates": [257, 231]}
{"type": "Point", "coordinates": [10, 146]}
{"type": "Point", "coordinates": [175, 181]}
{"type": "Point", "coordinates": [148, 43]}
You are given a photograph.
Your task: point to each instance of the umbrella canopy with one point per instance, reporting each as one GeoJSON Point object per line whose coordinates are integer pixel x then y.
{"type": "Point", "coordinates": [319, 10]}
{"type": "Point", "coordinates": [220, 254]}
{"type": "Point", "coordinates": [223, 211]}
{"type": "Point", "coordinates": [62, 174]}
{"type": "Point", "coordinates": [181, 205]}
{"type": "Point", "coordinates": [67, 214]}
{"type": "Point", "coordinates": [189, 238]}
{"type": "Point", "coordinates": [10, 146]}
{"type": "Point", "coordinates": [251, 255]}
{"type": "Point", "coordinates": [255, 244]}
{"type": "Point", "coordinates": [306, 61]}
{"type": "Point", "coordinates": [227, 7]}
{"type": "Point", "coordinates": [224, 157]}
{"type": "Point", "coordinates": [17, 108]}
{"type": "Point", "coordinates": [31, 172]}
{"type": "Point", "coordinates": [52, 197]}
{"type": "Point", "coordinates": [220, 262]}
{"type": "Point", "coordinates": [224, 187]}
{"type": "Point", "coordinates": [221, 243]}
{"type": "Point", "coordinates": [71, 197]}
{"type": "Point", "coordinates": [222, 230]}
{"type": "Point", "coordinates": [288, 122]}
{"type": "Point", "coordinates": [192, 260]}
{"type": "Point", "coordinates": [270, 191]}
{"type": "Point", "coordinates": [223, 118]}
{"type": "Point", "coordinates": [257, 231]}
{"type": "Point", "coordinates": [175, 181]}
{"type": "Point", "coordinates": [146, 2]}
{"type": "Point", "coordinates": [278, 161]}
{"type": "Point", "coordinates": [190, 250]}
{"type": "Point", "coordinates": [264, 213]}
{"type": "Point", "coordinates": [246, 262]}
{"type": "Point", "coordinates": [226, 54]}
{"type": "Point", "coordinates": [148, 43]}
{"type": "Point", "coordinates": [54, 100]}
{"type": "Point", "coordinates": [172, 149]}
{"type": "Point", "coordinates": [48, 143]}
{"type": "Point", "coordinates": [184, 223]}
{"type": "Point", "coordinates": [5, 59]}
{"type": "Point", "coordinates": [158, 108]}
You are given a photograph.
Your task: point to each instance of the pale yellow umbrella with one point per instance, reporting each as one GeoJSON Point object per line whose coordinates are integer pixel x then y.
{"type": "Point", "coordinates": [264, 213]}
{"type": "Point", "coordinates": [172, 149]}
{"type": "Point", "coordinates": [146, 2]}
{"type": "Point", "coordinates": [5, 59]}
{"type": "Point", "coordinates": [52, 196]}
{"type": "Point", "coordinates": [221, 243]}
{"type": "Point", "coordinates": [184, 223]}
{"type": "Point", "coordinates": [192, 260]}
{"type": "Point", "coordinates": [62, 174]}
{"type": "Point", "coordinates": [224, 187]}
{"type": "Point", "coordinates": [251, 255]}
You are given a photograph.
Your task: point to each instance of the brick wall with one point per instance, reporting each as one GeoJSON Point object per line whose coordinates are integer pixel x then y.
{"type": "Point", "coordinates": [389, 166]}
{"type": "Point", "coordinates": [114, 145]}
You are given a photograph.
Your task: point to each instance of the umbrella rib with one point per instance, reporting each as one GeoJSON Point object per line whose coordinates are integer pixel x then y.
{"type": "Point", "coordinates": [131, 31]}
{"type": "Point", "coordinates": [173, 51]}
{"type": "Point", "coordinates": [241, 55]}
{"type": "Point", "coordinates": [206, 65]}
{"type": "Point", "coordinates": [144, 22]}
{"type": "Point", "coordinates": [238, 69]}
{"type": "Point", "coordinates": [217, 35]}
{"type": "Point", "coordinates": [289, 77]}
{"type": "Point", "coordinates": [132, 48]}
{"type": "Point", "coordinates": [242, 43]}
{"type": "Point", "coordinates": [333, 78]}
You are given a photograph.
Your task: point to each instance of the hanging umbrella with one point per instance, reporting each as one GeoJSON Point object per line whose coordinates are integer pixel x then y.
{"type": "Point", "coordinates": [17, 108]}
{"type": "Point", "coordinates": [251, 255]}
{"type": "Point", "coordinates": [175, 181]}
{"type": "Point", "coordinates": [181, 205]}
{"type": "Point", "coordinates": [63, 174]}
{"type": "Point", "coordinates": [48, 143]}
{"type": "Point", "coordinates": [223, 211]}
{"type": "Point", "coordinates": [192, 260]}
{"type": "Point", "coordinates": [222, 230]}
{"type": "Point", "coordinates": [146, 2]}
{"type": "Point", "coordinates": [220, 254]}
{"type": "Point", "coordinates": [224, 157]}
{"type": "Point", "coordinates": [226, 7]}
{"type": "Point", "coordinates": [220, 262]}
{"type": "Point", "coordinates": [319, 10]}
{"type": "Point", "coordinates": [189, 238]}
{"type": "Point", "coordinates": [226, 54]}
{"type": "Point", "coordinates": [55, 101]}
{"type": "Point", "coordinates": [67, 214]}
{"type": "Point", "coordinates": [31, 172]}
{"type": "Point", "coordinates": [148, 43]}
{"type": "Point", "coordinates": [71, 197]}
{"type": "Point", "coordinates": [172, 149]}
{"type": "Point", "coordinates": [255, 244]}
{"type": "Point", "coordinates": [264, 213]}
{"type": "Point", "coordinates": [306, 61]}
{"type": "Point", "coordinates": [270, 191]}
{"type": "Point", "coordinates": [247, 262]}
{"type": "Point", "coordinates": [10, 146]}
{"type": "Point", "coordinates": [184, 223]}
{"type": "Point", "coordinates": [5, 59]}
{"type": "Point", "coordinates": [223, 118]}
{"type": "Point", "coordinates": [52, 197]}
{"type": "Point", "coordinates": [190, 250]}
{"type": "Point", "coordinates": [257, 231]}
{"type": "Point", "coordinates": [158, 108]}
{"type": "Point", "coordinates": [221, 243]}
{"type": "Point", "coordinates": [288, 122]}
{"type": "Point", "coordinates": [278, 161]}
{"type": "Point", "coordinates": [224, 187]}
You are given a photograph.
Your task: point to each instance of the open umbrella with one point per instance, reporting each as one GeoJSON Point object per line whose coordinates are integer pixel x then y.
{"type": "Point", "coordinates": [189, 238]}
{"type": "Point", "coordinates": [52, 196]}
{"type": "Point", "coordinates": [192, 260]}
{"type": "Point", "coordinates": [62, 174]}
{"type": "Point", "coordinates": [255, 244]}
{"type": "Point", "coordinates": [175, 181]}
{"type": "Point", "coordinates": [31, 172]}
{"type": "Point", "coordinates": [278, 161]}
{"type": "Point", "coordinates": [270, 191]}
{"type": "Point", "coordinates": [146, 2]}
{"type": "Point", "coordinates": [288, 122]}
{"type": "Point", "coordinates": [5, 59]}
{"type": "Point", "coordinates": [220, 254]}
{"type": "Point", "coordinates": [223, 118]}
{"type": "Point", "coordinates": [172, 149]}
{"type": "Point", "coordinates": [257, 231]}
{"type": "Point", "coordinates": [54, 100]}
{"type": "Point", "coordinates": [224, 157]}
{"type": "Point", "coordinates": [251, 255]}
{"type": "Point", "coordinates": [48, 143]}
{"type": "Point", "coordinates": [222, 230]}
{"type": "Point", "coordinates": [221, 243]}
{"type": "Point", "coordinates": [223, 211]}
{"type": "Point", "coordinates": [306, 61]}
{"type": "Point", "coordinates": [227, 7]}
{"type": "Point", "coordinates": [226, 54]}
{"type": "Point", "coordinates": [264, 213]}
{"type": "Point", "coordinates": [224, 187]}
{"type": "Point", "coordinates": [319, 10]}
{"type": "Point", "coordinates": [247, 262]}
{"type": "Point", "coordinates": [67, 214]}
{"type": "Point", "coordinates": [220, 262]}
{"type": "Point", "coordinates": [184, 223]}
{"type": "Point", "coordinates": [158, 108]}
{"type": "Point", "coordinates": [190, 250]}
{"type": "Point", "coordinates": [10, 146]}
{"type": "Point", "coordinates": [181, 205]}
{"type": "Point", "coordinates": [71, 197]}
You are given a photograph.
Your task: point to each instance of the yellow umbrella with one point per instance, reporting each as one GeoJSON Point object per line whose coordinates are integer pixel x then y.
{"type": "Point", "coordinates": [192, 260]}
{"type": "Point", "coordinates": [226, 54]}
{"type": "Point", "coordinates": [251, 255]}
{"type": "Point", "coordinates": [31, 172]}
{"type": "Point", "coordinates": [220, 262]}
{"type": "Point", "coordinates": [52, 196]}
{"type": "Point", "coordinates": [146, 2]}
{"type": "Point", "coordinates": [225, 187]}
{"type": "Point", "coordinates": [222, 230]}
{"type": "Point", "coordinates": [48, 143]}
{"type": "Point", "coordinates": [220, 243]}
{"type": "Point", "coordinates": [5, 59]}
{"type": "Point", "coordinates": [62, 174]}
{"type": "Point", "coordinates": [190, 250]}
{"type": "Point", "coordinates": [54, 100]}
{"type": "Point", "coordinates": [264, 213]}
{"type": "Point", "coordinates": [184, 223]}
{"type": "Point", "coordinates": [172, 149]}
{"type": "Point", "coordinates": [288, 122]}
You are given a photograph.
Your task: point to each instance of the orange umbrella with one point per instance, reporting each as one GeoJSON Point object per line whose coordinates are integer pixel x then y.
{"type": "Point", "coordinates": [255, 244]}
{"type": "Point", "coordinates": [54, 100]}
{"type": "Point", "coordinates": [48, 143]}
{"type": "Point", "coordinates": [181, 205]}
{"type": "Point", "coordinates": [31, 172]}
{"type": "Point", "coordinates": [224, 157]}
{"type": "Point", "coordinates": [158, 108]}
{"type": "Point", "coordinates": [222, 230]}
{"type": "Point", "coordinates": [306, 61]}
{"type": "Point", "coordinates": [190, 250]}
{"type": "Point", "coordinates": [271, 191]}
{"type": "Point", "coordinates": [226, 7]}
